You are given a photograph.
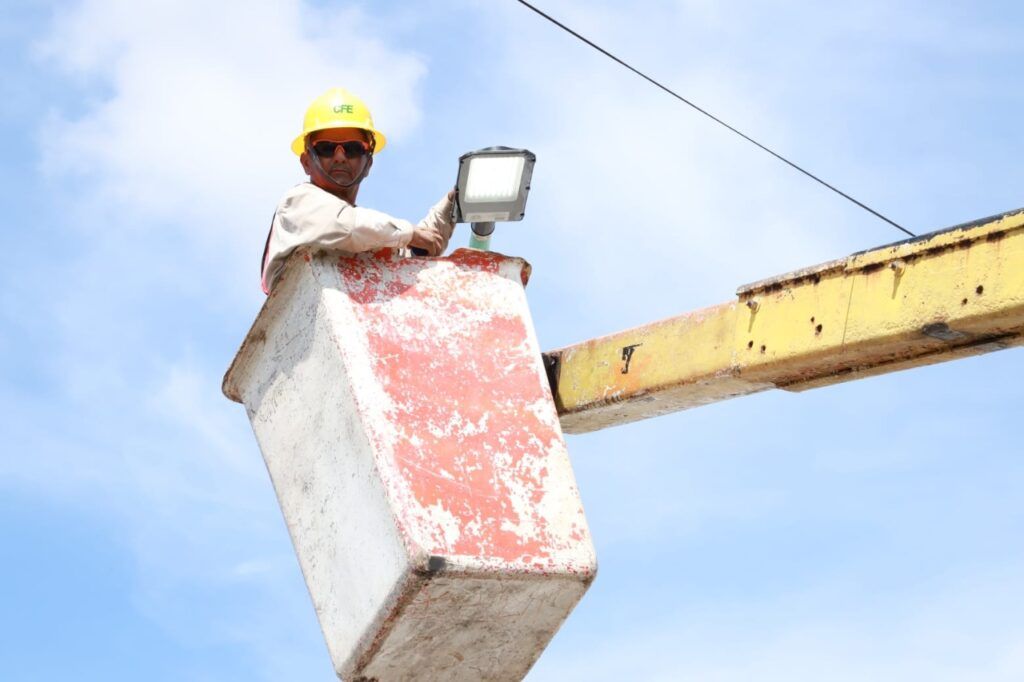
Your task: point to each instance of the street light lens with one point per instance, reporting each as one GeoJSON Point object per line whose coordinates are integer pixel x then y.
{"type": "Point", "coordinates": [494, 178]}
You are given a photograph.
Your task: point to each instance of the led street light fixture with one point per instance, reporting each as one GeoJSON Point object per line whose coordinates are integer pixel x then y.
{"type": "Point", "coordinates": [492, 187]}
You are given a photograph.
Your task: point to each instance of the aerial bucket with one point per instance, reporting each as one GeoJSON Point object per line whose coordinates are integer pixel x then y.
{"type": "Point", "coordinates": [406, 420]}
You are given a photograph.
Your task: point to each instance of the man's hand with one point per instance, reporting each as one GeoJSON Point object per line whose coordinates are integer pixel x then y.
{"type": "Point", "coordinates": [443, 210]}
{"type": "Point", "coordinates": [429, 239]}
{"type": "Point", "coordinates": [434, 231]}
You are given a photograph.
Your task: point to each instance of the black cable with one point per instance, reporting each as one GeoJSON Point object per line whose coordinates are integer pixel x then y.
{"type": "Point", "coordinates": [714, 118]}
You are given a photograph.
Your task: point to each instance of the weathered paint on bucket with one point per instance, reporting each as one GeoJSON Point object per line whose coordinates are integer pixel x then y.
{"type": "Point", "coordinates": [405, 417]}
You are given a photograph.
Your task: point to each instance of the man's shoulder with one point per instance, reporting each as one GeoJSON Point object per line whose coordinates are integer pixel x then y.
{"type": "Point", "coordinates": [302, 197]}
{"type": "Point", "coordinates": [303, 189]}
{"type": "Point", "coordinates": [308, 195]}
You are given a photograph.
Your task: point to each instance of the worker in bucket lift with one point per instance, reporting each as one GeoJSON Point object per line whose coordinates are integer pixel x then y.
{"type": "Point", "coordinates": [336, 150]}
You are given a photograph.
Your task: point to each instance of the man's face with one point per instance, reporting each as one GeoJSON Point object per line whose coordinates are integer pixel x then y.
{"type": "Point", "coordinates": [341, 167]}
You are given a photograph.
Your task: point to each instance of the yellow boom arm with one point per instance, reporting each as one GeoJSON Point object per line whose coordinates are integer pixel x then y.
{"type": "Point", "coordinates": [937, 297]}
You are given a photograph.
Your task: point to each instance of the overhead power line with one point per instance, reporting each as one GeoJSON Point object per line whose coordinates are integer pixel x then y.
{"type": "Point", "coordinates": [714, 118]}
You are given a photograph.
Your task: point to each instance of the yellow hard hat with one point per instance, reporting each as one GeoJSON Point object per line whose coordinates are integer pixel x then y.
{"type": "Point", "coordinates": [337, 108]}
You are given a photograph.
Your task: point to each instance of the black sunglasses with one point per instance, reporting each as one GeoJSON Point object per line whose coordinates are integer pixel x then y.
{"type": "Point", "coordinates": [354, 149]}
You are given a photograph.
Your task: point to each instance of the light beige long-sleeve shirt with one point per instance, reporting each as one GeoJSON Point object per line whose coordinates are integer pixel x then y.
{"type": "Point", "coordinates": [310, 216]}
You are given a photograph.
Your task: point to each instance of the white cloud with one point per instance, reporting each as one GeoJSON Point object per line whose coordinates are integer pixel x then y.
{"type": "Point", "coordinates": [201, 101]}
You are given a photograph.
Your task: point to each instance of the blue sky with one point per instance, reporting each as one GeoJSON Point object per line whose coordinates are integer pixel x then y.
{"type": "Point", "coordinates": [864, 531]}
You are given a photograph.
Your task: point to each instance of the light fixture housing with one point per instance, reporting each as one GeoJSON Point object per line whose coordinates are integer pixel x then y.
{"type": "Point", "coordinates": [493, 185]}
